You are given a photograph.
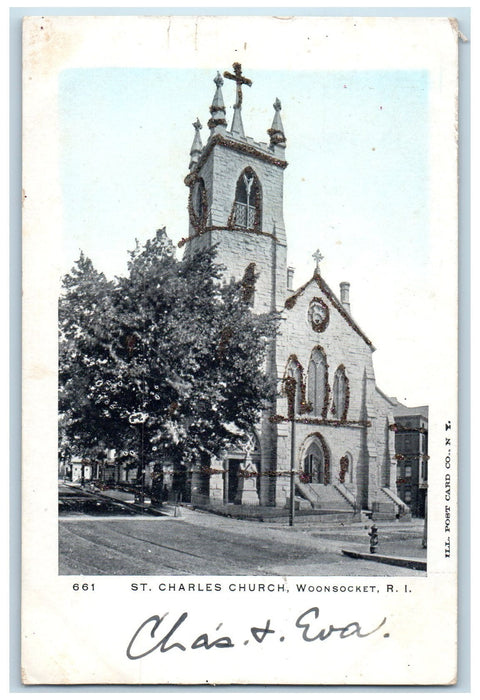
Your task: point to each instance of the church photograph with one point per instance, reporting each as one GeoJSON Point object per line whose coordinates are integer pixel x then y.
{"type": "Point", "coordinates": [305, 194]}
{"type": "Point", "coordinates": [331, 424]}
{"type": "Point", "coordinates": [240, 341]}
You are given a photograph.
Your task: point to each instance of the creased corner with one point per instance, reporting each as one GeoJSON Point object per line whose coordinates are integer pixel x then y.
{"type": "Point", "coordinates": [454, 25]}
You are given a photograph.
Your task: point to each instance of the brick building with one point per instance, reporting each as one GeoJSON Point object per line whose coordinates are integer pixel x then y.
{"type": "Point", "coordinates": [411, 446]}
{"type": "Point", "coordinates": [330, 416]}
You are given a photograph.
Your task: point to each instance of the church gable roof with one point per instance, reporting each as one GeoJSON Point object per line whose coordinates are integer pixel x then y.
{"type": "Point", "coordinates": [388, 399]}
{"type": "Point", "coordinates": [317, 279]}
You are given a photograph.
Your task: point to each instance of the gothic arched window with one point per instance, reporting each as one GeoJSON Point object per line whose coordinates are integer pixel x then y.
{"type": "Point", "coordinates": [293, 386]}
{"type": "Point", "coordinates": [248, 205]}
{"type": "Point", "coordinates": [346, 471]}
{"type": "Point", "coordinates": [317, 382]}
{"type": "Point", "coordinates": [198, 204]}
{"type": "Point", "coordinates": [199, 197]}
{"type": "Point", "coordinates": [340, 394]}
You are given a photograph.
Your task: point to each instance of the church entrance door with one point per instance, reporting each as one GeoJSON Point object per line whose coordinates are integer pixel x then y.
{"type": "Point", "coordinates": [314, 464]}
{"type": "Point", "coordinates": [242, 471]}
{"type": "Point", "coordinates": [234, 466]}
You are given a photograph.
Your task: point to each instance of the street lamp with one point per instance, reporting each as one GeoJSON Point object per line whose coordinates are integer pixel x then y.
{"type": "Point", "coordinates": [292, 473]}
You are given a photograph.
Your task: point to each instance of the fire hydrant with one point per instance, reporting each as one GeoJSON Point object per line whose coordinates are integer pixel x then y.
{"type": "Point", "coordinates": [373, 534]}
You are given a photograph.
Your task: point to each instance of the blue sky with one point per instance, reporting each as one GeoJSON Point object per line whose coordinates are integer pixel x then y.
{"type": "Point", "coordinates": [356, 185]}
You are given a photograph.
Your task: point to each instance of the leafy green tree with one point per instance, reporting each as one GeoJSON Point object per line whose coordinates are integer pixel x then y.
{"type": "Point", "coordinates": [167, 360]}
{"type": "Point", "coordinates": [86, 366]}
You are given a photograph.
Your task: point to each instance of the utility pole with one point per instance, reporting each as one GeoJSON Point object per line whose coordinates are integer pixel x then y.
{"type": "Point", "coordinates": [291, 391]}
{"type": "Point", "coordinates": [292, 471]}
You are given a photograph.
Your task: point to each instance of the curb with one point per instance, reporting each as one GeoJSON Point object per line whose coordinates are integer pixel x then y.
{"type": "Point", "coordinates": [418, 564]}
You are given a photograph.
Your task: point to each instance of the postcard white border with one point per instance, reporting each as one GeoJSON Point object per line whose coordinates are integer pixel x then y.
{"type": "Point", "coordinates": [48, 602]}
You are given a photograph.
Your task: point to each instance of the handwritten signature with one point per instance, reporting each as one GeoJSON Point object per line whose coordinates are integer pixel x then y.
{"type": "Point", "coordinates": [153, 634]}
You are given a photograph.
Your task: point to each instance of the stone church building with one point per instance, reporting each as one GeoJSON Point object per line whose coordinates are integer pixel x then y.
{"type": "Point", "coordinates": [330, 421]}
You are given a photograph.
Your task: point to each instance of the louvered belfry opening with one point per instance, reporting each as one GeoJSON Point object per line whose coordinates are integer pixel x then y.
{"type": "Point", "coordinates": [248, 201]}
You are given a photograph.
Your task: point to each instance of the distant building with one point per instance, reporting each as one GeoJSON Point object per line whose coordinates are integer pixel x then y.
{"type": "Point", "coordinates": [411, 447]}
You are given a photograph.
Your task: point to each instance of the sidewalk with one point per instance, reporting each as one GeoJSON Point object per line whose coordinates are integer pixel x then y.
{"type": "Point", "coordinates": [396, 539]}
{"type": "Point", "coordinates": [399, 542]}
{"type": "Point", "coordinates": [125, 497]}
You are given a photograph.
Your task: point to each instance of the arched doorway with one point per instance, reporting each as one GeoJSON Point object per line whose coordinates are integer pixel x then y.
{"type": "Point", "coordinates": [316, 461]}
{"type": "Point", "coordinates": [243, 459]}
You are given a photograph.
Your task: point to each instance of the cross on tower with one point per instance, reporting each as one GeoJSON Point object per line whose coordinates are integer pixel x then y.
{"type": "Point", "coordinates": [318, 257]}
{"type": "Point", "coordinates": [196, 125]}
{"type": "Point", "coordinates": [240, 80]}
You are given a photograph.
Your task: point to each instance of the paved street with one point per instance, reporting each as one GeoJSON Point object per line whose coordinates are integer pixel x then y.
{"type": "Point", "coordinates": [204, 544]}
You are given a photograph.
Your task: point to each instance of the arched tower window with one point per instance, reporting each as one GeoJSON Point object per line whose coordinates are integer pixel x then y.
{"type": "Point", "coordinates": [199, 197]}
{"type": "Point", "coordinates": [318, 383]}
{"type": "Point", "coordinates": [248, 205]}
{"type": "Point", "coordinates": [198, 204]}
{"type": "Point", "coordinates": [340, 394]}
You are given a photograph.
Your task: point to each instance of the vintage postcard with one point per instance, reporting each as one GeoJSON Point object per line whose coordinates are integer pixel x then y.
{"type": "Point", "coordinates": [240, 350]}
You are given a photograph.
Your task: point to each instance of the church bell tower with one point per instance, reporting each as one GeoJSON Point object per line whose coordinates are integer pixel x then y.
{"type": "Point", "coordinates": [236, 198]}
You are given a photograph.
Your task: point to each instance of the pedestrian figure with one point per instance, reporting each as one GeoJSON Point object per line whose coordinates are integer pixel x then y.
{"type": "Point", "coordinates": [373, 534]}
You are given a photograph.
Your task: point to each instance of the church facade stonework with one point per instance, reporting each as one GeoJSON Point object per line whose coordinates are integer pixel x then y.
{"type": "Point", "coordinates": [329, 422]}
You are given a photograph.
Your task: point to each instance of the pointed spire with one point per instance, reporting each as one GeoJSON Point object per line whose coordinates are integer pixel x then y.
{"type": "Point", "coordinates": [276, 133]}
{"type": "Point", "coordinates": [237, 124]}
{"type": "Point", "coordinates": [196, 145]}
{"type": "Point", "coordinates": [217, 103]}
{"type": "Point", "coordinates": [217, 121]}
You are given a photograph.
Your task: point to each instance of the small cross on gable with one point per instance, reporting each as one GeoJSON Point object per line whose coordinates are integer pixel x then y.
{"type": "Point", "coordinates": [318, 257]}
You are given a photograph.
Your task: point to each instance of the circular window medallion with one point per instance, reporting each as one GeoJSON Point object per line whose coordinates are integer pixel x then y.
{"type": "Point", "coordinates": [318, 315]}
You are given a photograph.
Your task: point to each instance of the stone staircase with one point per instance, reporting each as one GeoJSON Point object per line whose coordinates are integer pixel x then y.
{"type": "Point", "coordinates": [330, 497]}
{"type": "Point", "coordinates": [347, 495]}
{"type": "Point", "coordinates": [389, 506]}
